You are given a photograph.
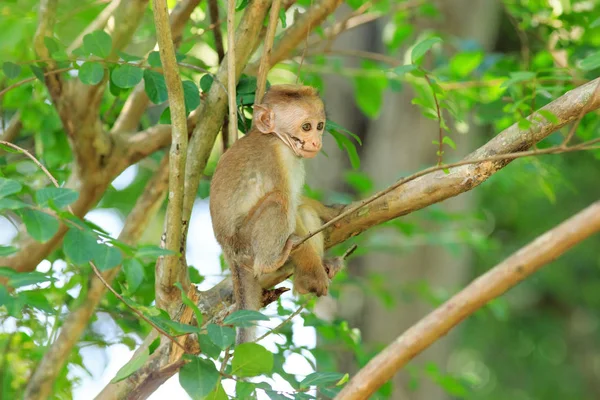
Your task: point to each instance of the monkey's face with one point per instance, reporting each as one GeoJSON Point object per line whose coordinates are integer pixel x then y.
{"type": "Point", "coordinates": [304, 124]}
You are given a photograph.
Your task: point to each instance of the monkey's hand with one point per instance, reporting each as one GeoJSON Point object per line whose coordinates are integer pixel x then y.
{"type": "Point", "coordinates": [314, 280]}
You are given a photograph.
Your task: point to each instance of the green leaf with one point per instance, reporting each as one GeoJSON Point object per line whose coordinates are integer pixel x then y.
{"type": "Point", "coordinates": [404, 69]}
{"type": "Point", "coordinates": [191, 95]}
{"type": "Point", "coordinates": [198, 378]}
{"type": "Point", "coordinates": [39, 225]}
{"type": "Point", "coordinates": [369, 91]}
{"type": "Point", "coordinates": [98, 43]}
{"type": "Point", "coordinates": [207, 347]}
{"type": "Point", "coordinates": [246, 85]}
{"type": "Point", "coordinates": [129, 57]}
{"type": "Point", "coordinates": [251, 359]}
{"type": "Point", "coordinates": [126, 76]}
{"type": "Point", "coordinates": [463, 64]}
{"type": "Point", "coordinates": [9, 186]}
{"type": "Point", "coordinates": [155, 86]}
{"type": "Point", "coordinates": [59, 197]}
{"type": "Point", "coordinates": [329, 125]}
{"type": "Point", "coordinates": [423, 47]}
{"type": "Point", "coordinates": [134, 274]}
{"type": "Point", "coordinates": [107, 257]}
{"type": "Point", "coordinates": [222, 336]}
{"type": "Point", "coordinates": [11, 70]}
{"type": "Point", "coordinates": [152, 252]}
{"type": "Point", "coordinates": [154, 59]}
{"type": "Point", "coordinates": [80, 246]}
{"type": "Point", "coordinates": [91, 73]}
{"type": "Point", "coordinates": [12, 204]}
{"type": "Point", "coordinates": [7, 250]}
{"type": "Point", "coordinates": [549, 115]}
{"type": "Point", "coordinates": [38, 72]}
{"type": "Point", "coordinates": [188, 302]}
{"type": "Point", "coordinates": [518, 77]}
{"type": "Point", "coordinates": [206, 82]}
{"type": "Point", "coordinates": [590, 62]}
{"type": "Point", "coordinates": [345, 143]}
{"type": "Point", "coordinates": [217, 393]}
{"type": "Point", "coordinates": [321, 379]}
{"type": "Point", "coordinates": [132, 365]}
{"type": "Point", "coordinates": [244, 318]}
{"type": "Point", "coordinates": [447, 140]}
{"type": "Point", "coordinates": [28, 278]}
{"type": "Point", "coordinates": [165, 322]}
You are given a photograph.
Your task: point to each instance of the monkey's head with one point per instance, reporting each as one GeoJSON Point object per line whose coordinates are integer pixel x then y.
{"type": "Point", "coordinates": [295, 114]}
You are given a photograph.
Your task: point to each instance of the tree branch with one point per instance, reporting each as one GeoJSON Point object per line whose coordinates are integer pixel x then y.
{"type": "Point", "coordinates": [492, 284]}
{"type": "Point", "coordinates": [168, 269]}
{"type": "Point", "coordinates": [265, 63]}
{"type": "Point", "coordinates": [296, 33]}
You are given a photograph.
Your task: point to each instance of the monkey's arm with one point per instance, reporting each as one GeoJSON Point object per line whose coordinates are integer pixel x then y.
{"type": "Point", "coordinates": [325, 213]}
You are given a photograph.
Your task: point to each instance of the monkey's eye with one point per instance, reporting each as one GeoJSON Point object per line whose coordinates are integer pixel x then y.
{"type": "Point", "coordinates": [306, 127]}
{"type": "Point", "coordinates": [320, 126]}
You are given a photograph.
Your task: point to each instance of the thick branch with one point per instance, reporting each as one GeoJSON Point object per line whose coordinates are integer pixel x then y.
{"type": "Point", "coordinates": [168, 270]}
{"type": "Point", "coordinates": [492, 284]}
{"type": "Point", "coordinates": [438, 186]}
{"type": "Point", "coordinates": [146, 207]}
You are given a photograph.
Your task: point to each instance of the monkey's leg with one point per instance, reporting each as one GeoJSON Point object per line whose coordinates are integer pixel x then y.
{"type": "Point", "coordinates": [325, 213]}
{"type": "Point", "coordinates": [310, 275]}
{"type": "Point", "coordinates": [268, 229]}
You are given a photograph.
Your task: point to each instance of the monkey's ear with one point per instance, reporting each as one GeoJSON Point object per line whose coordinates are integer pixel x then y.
{"type": "Point", "coordinates": [264, 118]}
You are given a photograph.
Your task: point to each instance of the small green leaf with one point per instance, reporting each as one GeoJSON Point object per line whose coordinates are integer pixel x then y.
{"type": "Point", "coordinates": [191, 95]}
{"type": "Point", "coordinates": [345, 143]}
{"type": "Point", "coordinates": [447, 140]}
{"type": "Point", "coordinates": [188, 302]}
{"type": "Point", "coordinates": [155, 86]}
{"type": "Point", "coordinates": [7, 250]}
{"type": "Point", "coordinates": [198, 378]}
{"type": "Point", "coordinates": [80, 246]}
{"type": "Point", "coordinates": [165, 117]}
{"type": "Point", "coordinates": [246, 85]}
{"type": "Point", "coordinates": [107, 257]}
{"type": "Point", "coordinates": [12, 204]}
{"type": "Point", "coordinates": [549, 115]}
{"type": "Point", "coordinates": [206, 82]}
{"type": "Point", "coordinates": [91, 73]}
{"type": "Point", "coordinates": [28, 278]}
{"type": "Point", "coordinates": [39, 225]}
{"type": "Point", "coordinates": [38, 72]}
{"type": "Point", "coordinates": [518, 77]}
{"type": "Point", "coordinates": [218, 393]}
{"type": "Point", "coordinates": [59, 197]}
{"type": "Point", "coordinates": [98, 43]}
{"type": "Point", "coordinates": [132, 365]}
{"type": "Point", "coordinates": [207, 347]}
{"type": "Point", "coordinates": [423, 47]}
{"type": "Point", "coordinates": [222, 336]}
{"type": "Point", "coordinates": [129, 57]}
{"type": "Point", "coordinates": [321, 379]}
{"type": "Point", "coordinates": [244, 318]}
{"type": "Point", "coordinates": [126, 76]}
{"type": "Point", "coordinates": [404, 69]}
{"type": "Point", "coordinates": [152, 252]}
{"type": "Point", "coordinates": [11, 70]}
{"type": "Point", "coordinates": [590, 62]}
{"type": "Point", "coordinates": [154, 59]}
{"type": "Point", "coordinates": [134, 274]}
{"type": "Point", "coordinates": [251, 359]}
{"type": "Point", "coordinates": [9, 186]}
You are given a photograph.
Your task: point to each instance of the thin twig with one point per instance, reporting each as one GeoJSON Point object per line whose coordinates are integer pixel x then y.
{"type": "Point", "coordinates": [33, 78]}
{"type": "Point", "coordinates": [35, 160]}
{"type": "Point", "coordinates": [265, 61]}
{"type": "Point", "coordinates": [284, 322]}
{"type": "Point", "coordinates": [231, 75]}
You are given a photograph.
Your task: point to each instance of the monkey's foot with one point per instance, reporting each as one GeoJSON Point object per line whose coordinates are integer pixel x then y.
{"type": "Point", "coordinates": [264, 268]}
{"type": "Point", "coordinates": [311, 281]}
{"type": "Point", "coordinates": [333, 266]}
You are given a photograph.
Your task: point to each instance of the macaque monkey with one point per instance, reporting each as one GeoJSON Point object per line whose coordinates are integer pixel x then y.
{"type": "Point", "coordinates": [257, 211]}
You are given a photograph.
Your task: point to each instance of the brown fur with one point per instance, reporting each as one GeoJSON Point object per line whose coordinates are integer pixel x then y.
{"type": "Point", "coordinates": [255, 203]}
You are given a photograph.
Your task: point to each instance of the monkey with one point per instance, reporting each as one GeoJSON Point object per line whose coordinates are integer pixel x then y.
{"type": "Point", "coordinates": [256, 207]}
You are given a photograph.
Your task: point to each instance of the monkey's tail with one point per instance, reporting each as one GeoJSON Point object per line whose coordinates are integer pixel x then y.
{"type": "Point", "coordinates": [248, 296]}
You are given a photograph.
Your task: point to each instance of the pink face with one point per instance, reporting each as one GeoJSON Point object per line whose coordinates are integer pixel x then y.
{"type": "Point", "coordinates": [304, 123]}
